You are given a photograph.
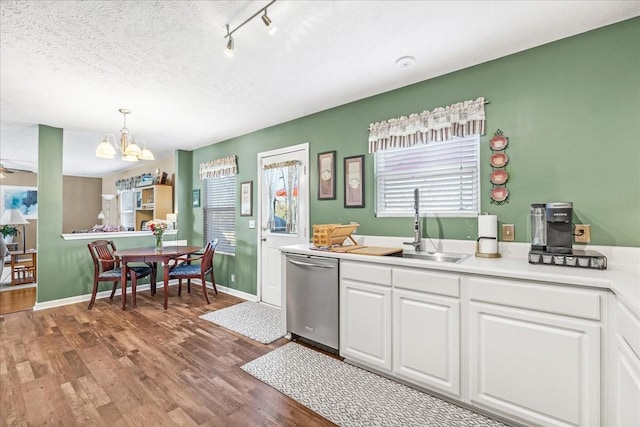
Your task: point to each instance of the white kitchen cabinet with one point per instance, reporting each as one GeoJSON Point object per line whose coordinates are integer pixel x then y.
{"type": "Point", "coordinates": [365, 314]}
{"type": "Point", "coordinates": [624, 405]}
{"type": "Point", "coordinates": [426, 340]}
{"type": "Point", "coordinates": [535, 366]}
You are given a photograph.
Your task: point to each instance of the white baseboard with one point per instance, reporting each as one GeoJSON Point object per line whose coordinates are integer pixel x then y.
{"type": "Point", "coordinates": [235, 293]}
{"type": "Point", "coordinates": [105, 294]}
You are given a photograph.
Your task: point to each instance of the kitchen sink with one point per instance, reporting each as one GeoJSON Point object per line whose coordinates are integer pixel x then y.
{"type": "Point", "coordinates": [437, 256]}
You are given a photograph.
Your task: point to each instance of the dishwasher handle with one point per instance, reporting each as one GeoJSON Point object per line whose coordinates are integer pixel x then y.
{"type": "Point", "coordinates": [309, 264]}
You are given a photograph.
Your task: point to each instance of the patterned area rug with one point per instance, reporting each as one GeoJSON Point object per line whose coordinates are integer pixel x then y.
{"type": "Point", "coordinates": [350, 396]}
{"type": "Point", "coordinates": [260, 322]}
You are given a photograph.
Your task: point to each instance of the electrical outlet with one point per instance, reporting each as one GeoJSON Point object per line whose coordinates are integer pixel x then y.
{"type": "Point", "coordinates": [233, 278]}
{"type": "Point", "coordinates": [508, 232]}
{"type": "Point", "coordinates": [582, 233]}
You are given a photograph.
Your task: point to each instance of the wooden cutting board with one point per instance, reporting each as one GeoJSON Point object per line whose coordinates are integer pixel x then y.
{"type": "Point", "coordinates": [348, 248]}
{"type": "Point", "coordinates": [375, 250]}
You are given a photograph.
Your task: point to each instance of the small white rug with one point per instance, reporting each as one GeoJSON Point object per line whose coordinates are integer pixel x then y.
{"type": "Point", "coordinates": [260, 322]}
{"type": "Point", "coordinates": [349, 396]}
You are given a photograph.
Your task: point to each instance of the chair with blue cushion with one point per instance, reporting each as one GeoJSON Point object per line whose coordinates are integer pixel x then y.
{"type": "Point", "coordinates": [186, 269]}
{"type": "Point", "coordinates": [106, 268]}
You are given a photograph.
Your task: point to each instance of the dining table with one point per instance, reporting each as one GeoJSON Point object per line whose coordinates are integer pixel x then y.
{"type": "Point", "coordinates": [151, 256]}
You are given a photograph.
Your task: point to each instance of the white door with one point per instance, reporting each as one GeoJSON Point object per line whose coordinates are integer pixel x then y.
{"type": "Point", "coordinates": [283, 195]}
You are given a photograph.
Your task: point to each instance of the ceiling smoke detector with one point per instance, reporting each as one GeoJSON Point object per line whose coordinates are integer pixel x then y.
{"type": "Point", "coordinates": [405, 62]}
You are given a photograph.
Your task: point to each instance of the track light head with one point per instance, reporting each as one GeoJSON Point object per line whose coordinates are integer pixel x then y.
{"type": "Point", "coordinates": [229, 50]}
{"type": "Point", "coordinates": [267, 21]}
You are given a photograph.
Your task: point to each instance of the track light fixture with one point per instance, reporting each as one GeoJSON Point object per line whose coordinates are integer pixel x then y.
{"type": "Point", "coordinates": [265, 19]}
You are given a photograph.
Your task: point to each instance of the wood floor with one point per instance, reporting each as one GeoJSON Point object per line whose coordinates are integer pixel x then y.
{"type": "Point", "coordinates": [69, 366]}
{"type": "Point", "coordinates": [17, 300]}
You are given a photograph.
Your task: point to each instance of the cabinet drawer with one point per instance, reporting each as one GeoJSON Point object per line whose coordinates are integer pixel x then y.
{"type": "Point", "coordinates": [628, 328]}
{"type": "Point", "coordinates": [365, 272]}
{"type": "Point", "coordinates": [535, 296]}
{"type": "Point", "coordinates": [426, 281]}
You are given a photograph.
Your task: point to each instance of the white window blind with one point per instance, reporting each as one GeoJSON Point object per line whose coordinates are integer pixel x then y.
{"type": "Point", "coordinates": [447, 174]}
{"type": "Point", "coordinates": [220, 213]}
{"type": "Point", "coordinates": [127, 212]}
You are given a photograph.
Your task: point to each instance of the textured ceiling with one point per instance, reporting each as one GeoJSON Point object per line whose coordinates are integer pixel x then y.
{"type": "Point", "coordinates": [73, 64]}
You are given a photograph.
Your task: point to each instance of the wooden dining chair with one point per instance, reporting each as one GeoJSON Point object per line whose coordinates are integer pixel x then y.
{"type": "Point", "coordinates": [186, 269]}
{"type": "Point", "coordinates": [106, 268]}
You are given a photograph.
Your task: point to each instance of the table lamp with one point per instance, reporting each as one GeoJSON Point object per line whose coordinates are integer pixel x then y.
{"type": "Point", "coordinates": [14, 217]}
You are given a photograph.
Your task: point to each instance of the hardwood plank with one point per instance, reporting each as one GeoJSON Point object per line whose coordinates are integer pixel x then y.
{"type": "Point", "coordinates": [45, 401]}
{"type": "Point", "coordinates": [84, 414]}
{"type": "Point", "coordinates": [145, 366]}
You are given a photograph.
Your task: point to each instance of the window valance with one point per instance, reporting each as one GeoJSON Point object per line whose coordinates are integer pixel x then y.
{"type": "Point", "coordinates": [441, 124]}
{"type": "Point", "coordinates": [225, 166]}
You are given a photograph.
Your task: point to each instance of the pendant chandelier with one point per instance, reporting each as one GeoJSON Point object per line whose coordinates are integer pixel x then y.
{"type": "Point", "coordinates": [129, 150]}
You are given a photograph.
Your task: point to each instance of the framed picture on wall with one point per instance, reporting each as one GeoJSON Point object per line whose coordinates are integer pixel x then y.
{"type": "Point", "coordinates": [24, 199]}
{"type": "Point", "coordinates": [246, 198]}
{"type": "Point", "coordinates": [327, 175]}
{"type": "Point", "coordinates": [354, 182]}
{"type": "Point", "coordinates": [195, 198]}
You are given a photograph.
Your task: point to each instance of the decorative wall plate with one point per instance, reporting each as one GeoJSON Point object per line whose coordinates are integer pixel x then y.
{"type": "Point", "coordinates": [498, 160]}
{"type": "Point", "coordinates": [498, 142]}
{"type": "Point", "coordinates": [499, 176]}
{"type": "Point", "coordinates": [499, 194]}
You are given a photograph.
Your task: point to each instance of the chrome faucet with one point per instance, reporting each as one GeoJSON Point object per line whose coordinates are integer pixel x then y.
{"type": "Point", "coordinates": [417, 234]}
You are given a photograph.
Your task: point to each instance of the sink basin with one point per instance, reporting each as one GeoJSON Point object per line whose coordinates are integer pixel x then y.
{"type": "Point", "coordinates": [436, 256]}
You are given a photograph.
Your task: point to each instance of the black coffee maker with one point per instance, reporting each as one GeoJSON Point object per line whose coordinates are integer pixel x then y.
{"type": "Point", "coordinates": [552, 238]}
{"type": "Point", "coordinates": [559, 227]}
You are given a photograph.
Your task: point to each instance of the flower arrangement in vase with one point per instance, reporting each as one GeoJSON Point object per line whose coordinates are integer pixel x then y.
{"type": "Point", "coordinates": [157, 229]}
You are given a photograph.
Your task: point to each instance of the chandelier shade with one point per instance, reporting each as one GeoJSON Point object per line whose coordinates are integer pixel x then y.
{"type": "Point", "coordinates": [129, 150]}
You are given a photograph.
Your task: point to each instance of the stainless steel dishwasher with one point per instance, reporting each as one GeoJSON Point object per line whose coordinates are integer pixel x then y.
{"type": "Point", "coordinates": [313, 299]}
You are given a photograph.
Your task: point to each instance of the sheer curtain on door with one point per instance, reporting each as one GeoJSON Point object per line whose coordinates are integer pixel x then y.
{"type": "Point", "coordinates": [281, 184]}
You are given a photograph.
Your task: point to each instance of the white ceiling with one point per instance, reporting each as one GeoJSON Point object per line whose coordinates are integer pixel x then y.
{"type": "Point", "coordinates": [73, 64]}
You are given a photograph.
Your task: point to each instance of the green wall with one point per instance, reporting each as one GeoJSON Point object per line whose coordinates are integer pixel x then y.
{"type": "Point", "coordinates": [571, 110]}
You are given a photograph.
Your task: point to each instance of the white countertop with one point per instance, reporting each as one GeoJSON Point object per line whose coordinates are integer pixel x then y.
{"type": "Point", "coordinates": [622, 275]}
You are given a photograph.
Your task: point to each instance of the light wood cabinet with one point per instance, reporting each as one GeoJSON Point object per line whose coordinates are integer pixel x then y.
{"type": "Point", "coordinates": [152, 202]}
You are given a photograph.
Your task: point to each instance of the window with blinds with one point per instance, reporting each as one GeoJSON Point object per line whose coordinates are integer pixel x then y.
{"type": "Point", "coordinates": [220, 213]}
{"type": "Point", "coordinates": [127, 211]}
{"type": "Point", "coordinates": [447, 174]}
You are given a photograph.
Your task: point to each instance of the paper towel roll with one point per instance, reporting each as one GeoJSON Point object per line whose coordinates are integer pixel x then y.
{"type": "Point", "coordinates": [488, 227]}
